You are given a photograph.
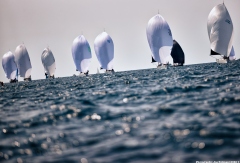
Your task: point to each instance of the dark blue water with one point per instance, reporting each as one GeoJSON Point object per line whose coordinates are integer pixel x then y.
{"type": "Point", "coordinates": [181, 114]}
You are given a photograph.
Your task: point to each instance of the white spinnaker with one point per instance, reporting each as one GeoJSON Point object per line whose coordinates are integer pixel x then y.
{"type": "Point", "coordinates": [81, 53]}
{"type": "Point", "coordinates": [104, 49]}
{"type": "Point", "coordinates": [160, 40]}
{"type": "Point", "coordinates": [9, 65]}
{"type": "Point", "coordinates": [48, 61]}
{"type": "Point", "coordinates": [22, 61]}
{"type": "Point", "coordinates": [220, 30]}
{"type": "Point", "coordinates": [232, 55]}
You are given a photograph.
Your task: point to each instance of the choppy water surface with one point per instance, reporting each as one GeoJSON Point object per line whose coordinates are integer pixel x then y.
{"type": "Point", "coordinates": [182, 114]}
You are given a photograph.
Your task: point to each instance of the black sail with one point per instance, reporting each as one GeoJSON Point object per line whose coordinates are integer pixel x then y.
{"type": "Point", "coordinates": [153, 60]}
{"type": "Point", "coordinates": [214, 53]}
{"type": "Point", "coordinates": [177, 53]}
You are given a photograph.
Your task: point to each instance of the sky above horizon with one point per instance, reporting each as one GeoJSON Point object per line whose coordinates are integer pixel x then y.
{"type": "Point", "coordinates": [56, 23]}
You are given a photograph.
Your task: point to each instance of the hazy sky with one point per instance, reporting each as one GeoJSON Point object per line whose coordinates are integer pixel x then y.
{"type": "Point", "coordinates": [56, 23]}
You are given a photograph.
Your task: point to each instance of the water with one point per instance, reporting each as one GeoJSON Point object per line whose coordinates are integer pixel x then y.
{"type": "Point", "coordinates": [182, 114]}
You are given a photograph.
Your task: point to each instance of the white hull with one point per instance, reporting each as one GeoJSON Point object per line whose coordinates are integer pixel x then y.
{"type": "Point", "coordinates": [162, 67]}
{"type": "Point", "coordinates": [221, 60]}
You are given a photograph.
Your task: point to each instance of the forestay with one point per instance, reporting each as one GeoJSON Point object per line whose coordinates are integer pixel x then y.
{"type": "Point", "coordinates": [160, 40]}
{"type": "Point", "coordinates": [104, 49]}
{"type": "Point", "coordinates": [81, 53]}
{"type": "Point", "coordinates": [23, 61]}
{"type": "Point", "coordinates": [177, 53]}
{"type": "Point", "coordinates": [9, 65]}
{"type": "Point", "coordinates": [220, 30]}
{"type": "Point", "coordinates": [48, 61]}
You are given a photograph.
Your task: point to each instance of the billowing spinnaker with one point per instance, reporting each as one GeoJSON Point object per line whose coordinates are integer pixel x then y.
{"type": "Point", "coordinates": [104, 49]}
{"type": "Point", "coordinates": [48, 61]}
{"type": "Point", "coordinates": [177, 53]}
{"type": "Point", "coordinates": [160, 39]}
{"type": "Point", "coordinates": [220, 30]}
{"type": "Point", "coordinates": [81, 53]}
{"type": "Point", "coordinates": [22, 61]}
{"type": "Point", "coordinates": [9, 65]}
{"type": "Point", "coordinates": [232, 55]}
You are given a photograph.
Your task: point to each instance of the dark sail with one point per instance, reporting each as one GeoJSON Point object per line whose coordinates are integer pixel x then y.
{"type": "Point", "coordinates": [153, 60]}
{"type": "Point", "coordinates": [177, 53]}
{"type": "Point", "coordinates": [214, 53]}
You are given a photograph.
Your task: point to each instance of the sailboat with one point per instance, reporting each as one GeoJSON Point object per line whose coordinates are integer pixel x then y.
{"type": "Point", "coordinates": [48, 62]}
{"type": "Point", "coordinates": [177, 54]}
{"type": "Point", "coordinates": [10, 67]}
{"type": "Point", "coordinates": [232, 56]}
{"type": "Point", "coordinates": [160, 40]}
{"type": "Point", "coordinates": [104, 49]}
{"type": "Point", "coordinates": [81, 53]}
{"type": "Point", "coordinates": [220, 32]}
{"type": "Point", "coordinates": [23, 62]}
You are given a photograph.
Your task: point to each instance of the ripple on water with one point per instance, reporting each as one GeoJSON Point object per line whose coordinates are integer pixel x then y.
{"type": "Point", "coordinates": [181, 114]}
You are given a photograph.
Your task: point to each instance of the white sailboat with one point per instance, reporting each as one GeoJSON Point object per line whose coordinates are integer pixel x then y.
{"type": "Point", "coordinates": [9, 66]}
{"type": "Point", "coordinates": [48, 62]}
{"type": "Point", "coordinates": [220, 32]}
{"type": "Point", "coordinates": [104, 49]}
{"type": "Point", "coordinates": [23, 62]}
{"type": "Point", "coordinates": [81, 53]}
{"type": "Point", "coordinates": [160, 40]}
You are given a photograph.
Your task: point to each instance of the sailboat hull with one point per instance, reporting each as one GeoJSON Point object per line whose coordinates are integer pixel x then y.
{"type": "Point", "coordinates": [221, 60]}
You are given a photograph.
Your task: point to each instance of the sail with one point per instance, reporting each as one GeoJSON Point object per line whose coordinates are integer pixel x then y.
{"type": "Point", "coordinates": [48, 61]}
{"type": "Point", "coordinates": [98, 71]}
{"type": "Point", "coordinates": [81, 53]}
{"type": "Point", "coordinates": [220, 30]}
{"type": "Point", "coordinates": [22, 61]}
{"type": "Point", "coordinates": [104, 49]}
{"type": "Point", "coordinates": [232, 55]}
{"type": "Point", "coordinates": [177, 53]}
{"type": "Point", "coordinates": [160, 39]}
{"type": "Point", "coordinates": [9, 65]}
{"type": "Point", "coordinates": [153, 60]}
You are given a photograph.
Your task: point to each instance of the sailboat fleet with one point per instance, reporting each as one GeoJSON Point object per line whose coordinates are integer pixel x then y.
{"type": "Point", "coordinates": [165, 50]}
